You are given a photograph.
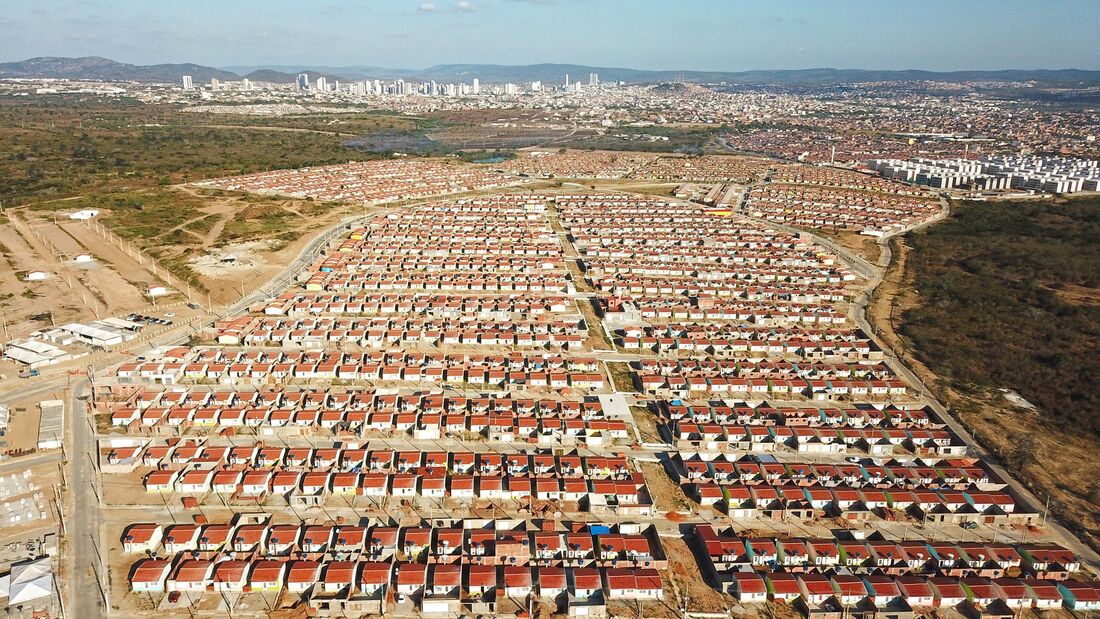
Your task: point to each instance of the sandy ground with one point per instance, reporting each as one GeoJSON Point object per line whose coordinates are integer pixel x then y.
{"type": "Point", "coordinates": [54, 294]}
{"type": "Point", "coordinates": [862, 245]}
{"type": "Point", "coordinates": [101, 277]}
{"type": "Point", "coordinates": [256, 261]}
{"type": "Point", "coordinates": [126, 264]}
{"type": "Point", "coordinates": [113, 284]}
{"type": "Point", "coordinates": [232, 261]}
{"type": "Point", "coordinates": [23, 428]}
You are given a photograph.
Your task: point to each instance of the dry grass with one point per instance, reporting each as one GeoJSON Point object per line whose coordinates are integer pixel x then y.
{"type": "Point", "coordinates": [685, 577]}
{"type": "Point", "coordinates": [646, 422]}
{"type": "Point", "coordinates": [622, 376]}
{"type": "Point", "coordinates": [667, 494]}
{"type": "Point", "coordinates": [597, 339]}
{"type": "Point", "coordinates": [865, 247]}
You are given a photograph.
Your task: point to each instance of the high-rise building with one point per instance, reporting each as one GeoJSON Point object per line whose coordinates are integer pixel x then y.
{"type": "Point", "coordinates": [567, 80]}
{"type": "Point", "coordinates": [187, 83]}
{"type": "Point", "coordinates": [302, 82]}
{"type": "Point", "coordinates": [593, 79]}
{"type": "Point", "coordinates": [215, 84]}
{"type": "Point", "coordinates": [322, 84]}
{"type": "Point", "coordinates": [246, 84]}
{"type": "Point", "coordinates": [477, 86]}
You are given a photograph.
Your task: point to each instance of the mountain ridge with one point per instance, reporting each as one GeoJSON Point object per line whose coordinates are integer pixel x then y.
{"type": "Point", "coordinates": [99, 68]}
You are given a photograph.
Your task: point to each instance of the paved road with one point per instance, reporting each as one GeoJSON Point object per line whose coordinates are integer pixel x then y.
{"type": "Point", "coordinates": [86, 568]}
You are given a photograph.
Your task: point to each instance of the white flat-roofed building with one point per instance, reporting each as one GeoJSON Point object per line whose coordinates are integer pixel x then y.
{"type": "Point", "coordinates": [34, 353]}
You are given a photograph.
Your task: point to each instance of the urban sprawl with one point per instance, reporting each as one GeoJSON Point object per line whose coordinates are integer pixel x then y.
{"type": "Point", "coordinates": [520, 388]}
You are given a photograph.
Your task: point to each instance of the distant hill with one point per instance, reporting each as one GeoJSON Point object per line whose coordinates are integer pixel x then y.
{"type": "Point", "coordinates": [555, 73]}
{"type": "Point", "coordinates": [93, 67]}
{"type": "Point", "coordinates": [356, 72]}
{"type": "Point", "coordinates": [96, 68]}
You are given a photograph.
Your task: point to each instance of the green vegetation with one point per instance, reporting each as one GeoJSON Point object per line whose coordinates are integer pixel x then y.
{"type": "Point", "coordinates": [66, 145]}
{"type": "Point", "coordinates": [692, 140]}
{"type": "Point", "coordinates": [1009, 297]}
{"type": "Point", "coordinates": [203, 226]}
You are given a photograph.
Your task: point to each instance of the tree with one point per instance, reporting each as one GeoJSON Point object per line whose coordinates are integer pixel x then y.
{"type": "Point", "coordinates": [1023, 455]}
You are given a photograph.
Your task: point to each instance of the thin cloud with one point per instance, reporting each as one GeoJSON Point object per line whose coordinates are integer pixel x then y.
{"type": "Point", "coordinates": [465, 6]}
{"type": "Point", "coordinates": [427, 7]}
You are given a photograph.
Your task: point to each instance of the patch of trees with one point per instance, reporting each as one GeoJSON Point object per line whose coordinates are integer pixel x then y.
{"type": "Point", "coordinates": [1010, 298]}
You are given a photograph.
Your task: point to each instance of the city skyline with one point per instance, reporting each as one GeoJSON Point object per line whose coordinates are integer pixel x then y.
{"type": "Point", "coordinates": [407, 34]}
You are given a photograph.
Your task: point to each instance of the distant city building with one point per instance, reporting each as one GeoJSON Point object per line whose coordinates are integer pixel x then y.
{"type": "Point", "coordinates": [302, 82]}
{"type": "Point", "coordinates": [996, 172]}
{"type": "Point", "coordinates": [246, 84]}
{"type": "Point", "coordinates": [593, 79]}
{"type": "Point", "coordinates": [477, 87]}
{"type": "Point", "coordinates": [322, 84]}
{"type": "Point", "coordinates": [215, 84]}
{"type": "Point", "coordinates": [188, 84]}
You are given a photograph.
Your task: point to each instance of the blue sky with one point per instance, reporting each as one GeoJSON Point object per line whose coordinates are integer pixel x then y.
{"type": "Point", "coordinates": [646, 34]}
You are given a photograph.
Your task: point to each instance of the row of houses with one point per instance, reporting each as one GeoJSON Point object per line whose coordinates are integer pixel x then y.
{"type": "Point", "coordinates": [752, 276]}
{"type": "Point", "coordinates": [731, 437]}
{"type": "Point", "coordinates": [764, 414]}
{"type": "Point", "coordinates": [300, 304]}
{"type": "Point", "coordinates": [356, 588]}
{"type": "Point", "coordinates": [385, 262]}
{"type": "Point", "coordinates": [398, 281]}
{"type": "Point", "coordinates": [472, 542]}
{"type": "Point", "coordinates": [411, 367]}
{"type": "Point", "coordinates": [628, 497]}
{"type": "Point", "coordinates": [908, 596]}
{"type": "Point", "coordinates": [958, 473]}
{"type": "Point", "coordinates": [355, 399]}
{"type": "Point", "coordinates": [763, 369]}
{"type": "Point", "coordinates": [510, 361]}
{"type": "Point", "coordinates": [728, 552]}
{"type": "Point", "coordinates": [634, 308]}
{"type": "Point", "coordinates": [549, 429]}
{"type": "Point", "coordinates": [861, 503]}
{"type": "Point", "coordinates": [725, 347]}
{"type": "Point", "coordinates": [779, 384]}
{"type": "Point", "coordinates": [356, 459]}
{"type": "Point", "coordinates": [751, 334]}
{"type": "Point", "coordinates": [695, 286]}
{"type": "Point", "coordinates": [377, 332]}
